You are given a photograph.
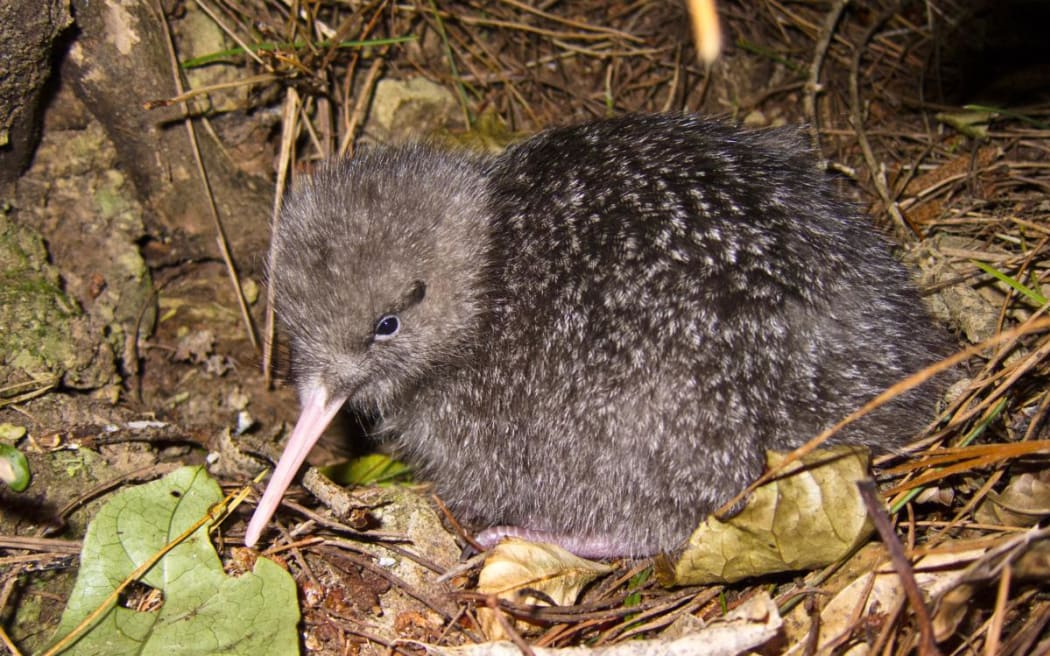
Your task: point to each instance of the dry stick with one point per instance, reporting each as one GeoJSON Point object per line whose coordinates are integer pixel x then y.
{"type": "Point", "coordinates": [676, 73]}
{"type": "Point", "coordinates": [955, 455]}
{"type": "Point", "coordinates": [1021, 641]}
{"type": "Point", "coordinates": [573, 23]}
{"type": "Point", "coordinates": [46, 385]}
{"type": "Point", "coordinates": [605, 611]}
{"type": "Point", "coordinates": [346, 149]}
{"type": "Point", "coordinates": [857, 116]}
{"type": "Point", "coordinates": [830, 646]}
{"type": "Point", "coordinates": [995, 626]}
{"type": "Point", "coordinates": [813, 83]}
{"type": "Point", "coordinates": [492, 601]}
{"type": "Point", "coordinates": [233, 35]}
{"type": "Point", "coordinates": [220, 233]}
{"type": "Point", "coordinates": [317, 519]}
{"type": "Point", "coordinates": [350, 121]}
{"type": "Point", "coordinates": [450, 55]}
{"type": "Point", "coordinates": [963, 414]}
{"type": "Point", "coordinates": [456, 526]}
{"type": "Point", "coordinates": [38, 544]}
{"type": "Point", "coordinates": [183, 96]}
{"type": "Point", "coordinates": [927, 646]}
{"type": "Point", "coordinates": [297, 554]}
{"type": "Point", "coordinates": [884, 641]}
{"type": "Point", "coordinates": [498, 72]}
{"type": "Point", "coordinates": [558, 631]}
{"type": "Point", "coordinates": [946, 472]}
{"type": "Point", "coordinates": [284, 163]}
{"type": "Point", "coordinates": [148, 472]}
{"type": "Point", "coordinates": [1011, 293]}
{"type": "Point", "coordinates": [8, 643]}
{"type": "Point", "coordinates": [312, 107]}
{"type": "Point", "coordinates": [512, 25]}
{"type": "Point", "coordinates": [912, 172]}
{"type": "Point", "coordinates": [667, 615]}
{"type": "Point", "coordinates": [382, 572]}
{"type": "Point", "coordinates": [908, 383]}
{"type": "Point", "coordinates": [1001, 557]}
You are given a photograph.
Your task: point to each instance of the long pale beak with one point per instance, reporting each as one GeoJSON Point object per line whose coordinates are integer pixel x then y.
{"type": "Point", "coordinates": [316, 414]}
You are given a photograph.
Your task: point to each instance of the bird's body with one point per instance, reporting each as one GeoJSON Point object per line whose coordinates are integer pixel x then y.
{"type": "Point", "coordinates": [596, 335]}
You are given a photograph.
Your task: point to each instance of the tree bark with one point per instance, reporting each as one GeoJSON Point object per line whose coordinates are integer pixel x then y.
{"type": "Point", "coordinates": [120, 62]}
{"type": "Point", "coordinates": [28, 29]}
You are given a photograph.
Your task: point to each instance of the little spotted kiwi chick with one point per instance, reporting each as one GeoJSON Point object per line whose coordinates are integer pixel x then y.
{"type": "Point", "coordinates": [592, 338]}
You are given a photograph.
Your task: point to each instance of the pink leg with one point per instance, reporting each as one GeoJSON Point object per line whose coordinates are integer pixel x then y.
{"type": "Point", "coordinates": [582, 545]}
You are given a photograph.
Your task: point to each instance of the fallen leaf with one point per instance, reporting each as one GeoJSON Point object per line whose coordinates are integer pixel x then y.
{"type": "Point", "coordinates": [201, 610]}
{"type": "Point", "coordinates": [532, 573]}
{"type": "Point", "coordinates": [810, 516]}
{"type": "Point", "coordinates": [877, 592]}
{"type": "Point", "coordinates": [1024, 501]}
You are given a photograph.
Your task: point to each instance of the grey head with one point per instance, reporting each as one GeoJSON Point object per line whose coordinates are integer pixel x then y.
{"type": "Point", "coordinates": [359, 246]}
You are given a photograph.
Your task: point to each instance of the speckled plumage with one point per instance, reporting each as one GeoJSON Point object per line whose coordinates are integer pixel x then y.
{"type": "Point", "coordinates": [603, 328]}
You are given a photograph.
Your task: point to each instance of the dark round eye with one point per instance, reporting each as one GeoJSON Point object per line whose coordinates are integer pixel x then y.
{"type": "Point", "coordinates": [387, 327]}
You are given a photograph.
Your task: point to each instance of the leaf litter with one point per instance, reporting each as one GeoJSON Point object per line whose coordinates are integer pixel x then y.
{"type": "Point", "coordinates": [955, 193]}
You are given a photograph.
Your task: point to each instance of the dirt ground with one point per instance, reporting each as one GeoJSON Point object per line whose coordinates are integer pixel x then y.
{"type": "Point", "coordinates": [130, 349]}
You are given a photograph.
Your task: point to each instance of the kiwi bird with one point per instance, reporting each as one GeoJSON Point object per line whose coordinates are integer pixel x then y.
{"type": "Point", "coordinates": [592, 338]}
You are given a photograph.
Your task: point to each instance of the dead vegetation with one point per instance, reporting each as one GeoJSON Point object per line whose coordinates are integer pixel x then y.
{"type": "Point", "coordinates": [936, 132]}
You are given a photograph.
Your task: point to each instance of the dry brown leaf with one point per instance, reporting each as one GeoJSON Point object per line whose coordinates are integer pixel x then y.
{"type": "Point", "coordinates": [1034, 563]}
{"type": "Point", "coordinates": [1027, 553]}
{"type": "Point", "coordinates": [532, 573]}
{"type": "Point", "coordinates": [876, 590]}
{"type": "Point", "coordinates": [1025, 501]}
{"type": "Point", "coordinates": [809, 517]}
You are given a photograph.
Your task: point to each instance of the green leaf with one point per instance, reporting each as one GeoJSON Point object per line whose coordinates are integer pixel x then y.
{"type": "Point", "coordinates": [14, 468]}
{"type": "Point", "coordinates": [203, 611]}
{"type": "Point", "coordinates": [988, 109]}
{"type": "Point", "coordinates": [973, 124]}
{"type": "Point", "coordinates": [634, 586]}
{"type": "Point", "coordinates": [371, 469]}
{"type": "Point", "coordinates": [1017, 285]}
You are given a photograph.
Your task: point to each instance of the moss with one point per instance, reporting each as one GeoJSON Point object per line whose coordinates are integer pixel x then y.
{"type": "Point", "coordinates": [42, 330]}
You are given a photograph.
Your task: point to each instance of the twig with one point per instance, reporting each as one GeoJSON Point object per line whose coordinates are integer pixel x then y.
{"type": "Point", "coordinates": [870, 495]}
{"type": "Point", "coordinates": [53, 545]}
{"type": "Point", "coordinates": [8, 643]}
{"type": "Point", "coordinates": [813, 83]}
{"type": "Point", "coordinates": [580, 25]}
{"type": "Point", "coordinates": [284, 163]}
{"type": "Point", "coordinates": [346, 149]}
{"type": "Point", "coordinates": [995, 626]}
{"type": "Point", "coordinates": [492, 601]}
{"type": "Point", "coordinates": [461, 91]}
{"type": "Point", "coordinates": [229, 31]}
{"type": "Point", "coordinates": [382, 572]}
{"type": "Point", "coordinates": [857, 116]}
{"type": "Point", "coordinates": [220, 233]}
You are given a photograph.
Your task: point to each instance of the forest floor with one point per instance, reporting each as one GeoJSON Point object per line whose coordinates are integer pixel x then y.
{"type": "Point", "coordinates": [127, 353]}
